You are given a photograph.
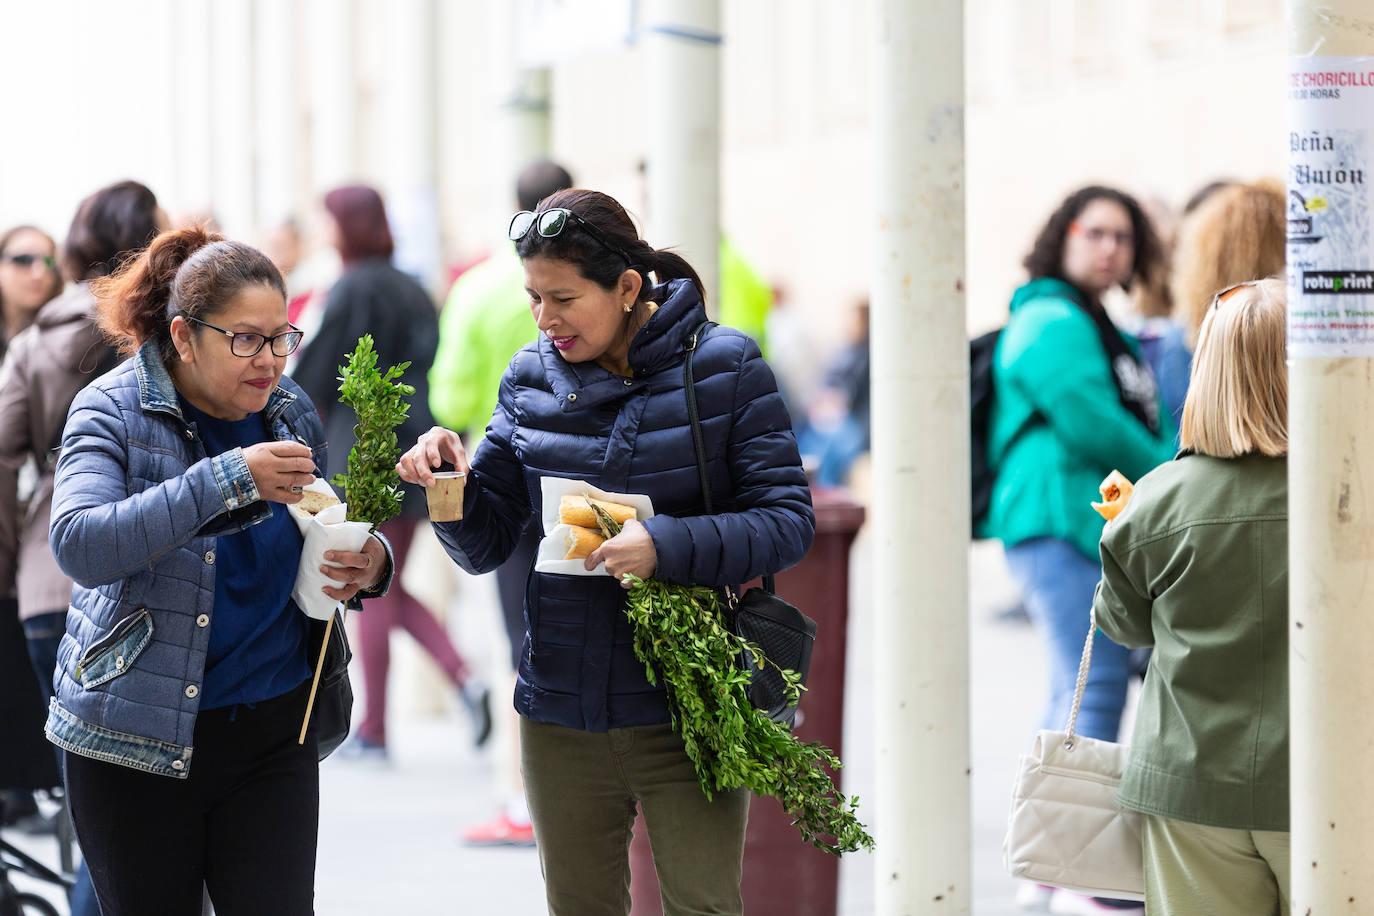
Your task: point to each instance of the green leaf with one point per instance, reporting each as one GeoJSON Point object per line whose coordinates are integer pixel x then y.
{"type": "Point", "coordinates": [683, 643]}
{"type": "Point", "coordinates": [372, 486]}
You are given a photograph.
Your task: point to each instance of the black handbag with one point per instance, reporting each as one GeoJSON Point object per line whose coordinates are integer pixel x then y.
{"type": "Point", "coordinates": [332, 715]}
{"type": "Point", "coordinates": [784, 633]}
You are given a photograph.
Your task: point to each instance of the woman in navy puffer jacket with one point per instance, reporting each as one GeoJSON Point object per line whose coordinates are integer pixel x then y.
{"type": "Point", "coordinates": [600, 398]}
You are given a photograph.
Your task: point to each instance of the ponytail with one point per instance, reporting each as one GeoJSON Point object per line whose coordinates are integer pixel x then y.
{"type": "Point", "coordinates": [132, 303]}
{"type": "Point", "coordinates": [187, 272]}
{"type": "Point", "coordinates": [668, 265]}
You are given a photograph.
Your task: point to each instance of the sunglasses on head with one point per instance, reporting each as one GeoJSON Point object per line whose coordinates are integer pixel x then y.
{"type": "Point", "coordinates": [549, 223]}
{"type": "Point", "coordinates": [25, 261]}
{"type": "Point", "coordinates": [1229, 291]}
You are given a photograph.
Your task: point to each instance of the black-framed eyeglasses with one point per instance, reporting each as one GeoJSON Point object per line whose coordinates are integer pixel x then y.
{"type": "Point", "coordinates": [26, 261]}
{"type": "Point", "coordinates": [248, 343]}
{"type": "Point", "coordinates": [549, 223]}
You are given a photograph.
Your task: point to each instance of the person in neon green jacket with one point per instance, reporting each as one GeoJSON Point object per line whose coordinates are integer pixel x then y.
{"type": "Point", "coordinates": [485, 320]}
{"type": "Point", "coordinates": [745, 299]}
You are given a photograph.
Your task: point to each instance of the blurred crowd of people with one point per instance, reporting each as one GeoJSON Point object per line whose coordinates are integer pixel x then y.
{"type": "Point", "coordinates": [339, 284]}
{"type": "Point", "coordinates": [1092, 373]}
{"type": "Point", "coordinates": [1153, 345]}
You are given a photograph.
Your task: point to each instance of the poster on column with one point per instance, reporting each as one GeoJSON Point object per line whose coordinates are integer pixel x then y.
{"type": "Point", "coordinates": [1330, 203]}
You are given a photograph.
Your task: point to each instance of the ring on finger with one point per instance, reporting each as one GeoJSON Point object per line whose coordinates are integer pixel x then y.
{"type": "Point", "coordinates": [296, 489]}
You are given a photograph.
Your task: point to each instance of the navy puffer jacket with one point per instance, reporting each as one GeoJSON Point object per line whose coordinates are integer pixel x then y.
{"type": "Point", "coordinates": [631, 435]}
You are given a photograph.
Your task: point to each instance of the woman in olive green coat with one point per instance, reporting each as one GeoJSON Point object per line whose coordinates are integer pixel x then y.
{"type": "Point", "coordinates": [1197, 566]}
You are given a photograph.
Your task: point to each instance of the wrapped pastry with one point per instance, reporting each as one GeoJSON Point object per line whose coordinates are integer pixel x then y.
{"type": "Point", "coordinates": [314, 501]}
{"type": "Point", "coordinates": [576, 509]}
{"type": "Point", "coordinates": [1116, 492]}
{"type": "Point", "coordinates": [581, 542]}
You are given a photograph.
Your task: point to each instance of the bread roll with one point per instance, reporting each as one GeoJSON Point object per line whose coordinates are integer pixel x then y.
{"type": "Point", "coordinates": [581, 542]}
{"type": "Point", "coordinates": [313, 502]}
{"type": "Point", "coordinates": [1116, 492]}
{"type": "Point", "coordinates": [576, 509]}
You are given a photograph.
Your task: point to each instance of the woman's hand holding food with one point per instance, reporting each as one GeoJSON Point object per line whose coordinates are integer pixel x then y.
{"type": "Point", "coordinates": [355, 571]}
{"type": "Point", "coordinates": [629, 552]}
{"type": "Point", "coordinates": [429, 452]}
{"type": "Point", "coordinates": [280, 469]}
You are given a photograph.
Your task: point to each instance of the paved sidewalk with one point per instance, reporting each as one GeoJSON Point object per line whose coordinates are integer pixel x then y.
{"type": "Point", "coordinates": [389, 836]}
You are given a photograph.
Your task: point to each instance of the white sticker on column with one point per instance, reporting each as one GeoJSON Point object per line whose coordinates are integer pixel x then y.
{"type": "Point", "coordinates": [1330, 200]}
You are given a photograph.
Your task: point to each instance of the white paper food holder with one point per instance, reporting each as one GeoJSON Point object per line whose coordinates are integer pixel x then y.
{"type": "Point", "coordinates": [328, 529]}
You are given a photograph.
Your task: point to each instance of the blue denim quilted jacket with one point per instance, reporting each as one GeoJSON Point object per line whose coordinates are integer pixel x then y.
{"type": "Point", "coordinates": [137, 506]}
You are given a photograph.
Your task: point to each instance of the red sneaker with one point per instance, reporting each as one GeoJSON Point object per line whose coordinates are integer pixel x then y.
{"type": "Point", "coordinates": [499, 831]}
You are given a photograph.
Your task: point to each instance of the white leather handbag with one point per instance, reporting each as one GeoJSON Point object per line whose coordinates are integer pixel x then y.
{"type": "Point", "coordinates": [1066, 827]}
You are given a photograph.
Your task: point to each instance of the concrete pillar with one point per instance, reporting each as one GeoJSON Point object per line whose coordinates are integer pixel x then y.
{"type": "Point", "coordinates": [276, 138]}
{"type": "Point", "coordinates": [527, 124]}
{"type": "Point", "coordinates": [920, 461]}
{"type": "Point", "coordinates": [230, 101]}
{"type": "Point", "coordinates": [682, 48]}
{"type": "Point", "coordinates": [194, 160]}
{"type": "Point", "coordinates": [1331, 459]}
{"type": "Point", "coordinates": [333, 99]}
{"type": "Point", "coordinates": [410, 164]}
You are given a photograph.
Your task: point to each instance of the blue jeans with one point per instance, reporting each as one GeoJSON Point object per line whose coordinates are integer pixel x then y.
{"type": "Point", "coordinates": [44, 632]}
{"type": "Point", "coordinates": [1058, 584]}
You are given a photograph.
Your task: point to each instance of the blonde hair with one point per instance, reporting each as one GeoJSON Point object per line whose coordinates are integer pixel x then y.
{"type": "Point", "coordinates": [1237, 234]}
{"type": "Point", "coordinates": [1238, 395]}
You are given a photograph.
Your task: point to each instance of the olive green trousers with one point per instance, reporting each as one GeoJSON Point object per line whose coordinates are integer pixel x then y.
{"type": "Point", "coordinates": [1195, 870]}
{"type": "Point", "coordinates": [582, 789]}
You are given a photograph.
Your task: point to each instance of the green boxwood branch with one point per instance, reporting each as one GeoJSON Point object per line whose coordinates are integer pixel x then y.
{"type": "Point", "coordinates": [682, 642]}
{"type": "Point", "coordinates": [372, 486]}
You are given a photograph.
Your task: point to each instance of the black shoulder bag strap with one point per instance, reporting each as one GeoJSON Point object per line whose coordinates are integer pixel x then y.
{"type": "Point", "coordinates": [694, 417]}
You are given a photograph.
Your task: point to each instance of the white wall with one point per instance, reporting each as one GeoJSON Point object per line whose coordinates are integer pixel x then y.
{"type": "Point", "coordinates": [90, 99]}
{"type": "Point", "coordinates": [1157, 96]}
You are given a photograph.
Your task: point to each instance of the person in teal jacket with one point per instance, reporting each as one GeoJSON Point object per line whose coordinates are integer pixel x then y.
{"type": "Point", "coordinates": [1197, 567]}
{"type": "Point", "coordinates": [1073, 400]}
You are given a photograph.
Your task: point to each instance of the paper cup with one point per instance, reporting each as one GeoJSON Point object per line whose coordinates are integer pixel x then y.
{"type": "Point", "coordinates": [445, 496]}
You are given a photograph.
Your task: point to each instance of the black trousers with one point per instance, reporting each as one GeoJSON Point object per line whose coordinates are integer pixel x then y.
{"type": "Point", "coordinates": [512, 577]}
{"type": "Point", "coordinates": [244, 823]}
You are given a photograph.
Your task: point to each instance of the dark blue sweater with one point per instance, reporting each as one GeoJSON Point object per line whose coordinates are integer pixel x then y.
{"type": "Point", "coordinates": [257, 636]}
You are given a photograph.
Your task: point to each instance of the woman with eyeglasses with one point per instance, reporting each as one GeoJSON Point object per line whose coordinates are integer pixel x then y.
{"type": "Point", "coordinates": [184, 672]}
{"type": "Point", "coordinates": [1073, 400]}
{"type": "Point", "coordinates": [28, 279]}
{"type": "Point", "coordinates": [1197, 567]}
{"type": "Point", "coordinates": [600, 397]}
{"type": "Point", "coordinates": [373, 297]}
